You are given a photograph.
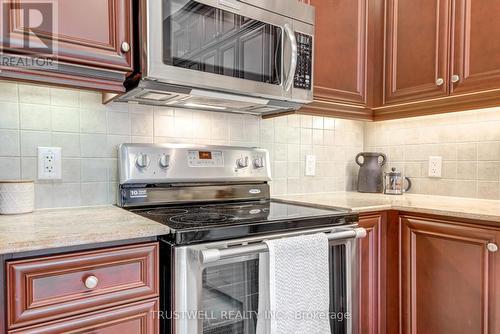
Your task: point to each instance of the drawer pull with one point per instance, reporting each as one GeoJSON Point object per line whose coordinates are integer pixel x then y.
{"type": "Point", "coordinates": [493, 248]}
{"type": "Point", "coordinates": [91, 282]}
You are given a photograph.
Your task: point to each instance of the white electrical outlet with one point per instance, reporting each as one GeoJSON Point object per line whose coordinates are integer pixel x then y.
{"type": "Point", "coordinates": [310, 165]}
{"type": "Point", "coordinates": [49, 163]}
{"type": "Point", "coordinates": [435, 166]}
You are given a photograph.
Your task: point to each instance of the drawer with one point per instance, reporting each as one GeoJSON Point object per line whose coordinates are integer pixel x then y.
{"type": "Point", "coordinates": [49, 288]}
{"type": "Point", "coordinates": [137, 318]}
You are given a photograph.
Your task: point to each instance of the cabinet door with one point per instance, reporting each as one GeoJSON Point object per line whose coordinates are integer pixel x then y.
{"type": "Point", "coordinates": [417, 44]}
{"type": "Point", "coordinates": [138, 318]}
{"type": "Point", "coordinates": [89, 32]}
{"type": "Point", "coordinates": [372, 250]}
{"type": "Point", "coordinates": [340, 50]}
{"type": "Point", "coordinates": [450, 281]}
{"type": "Point", "coordinates": [476, 48]}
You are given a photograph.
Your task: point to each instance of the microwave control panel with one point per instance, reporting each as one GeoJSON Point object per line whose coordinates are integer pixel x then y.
{"type": "Point", "coordinates": [303, 74]}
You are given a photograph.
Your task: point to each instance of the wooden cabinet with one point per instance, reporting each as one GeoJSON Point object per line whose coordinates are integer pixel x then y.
{"type": "Point", "coordinates": [449, 279]}
{"type": "Point", "coordinates": [416, 50]}
{"type": "Point", "coordinates": [63, 293]}
{"type": "Point", "coordinates": [138, 318]}
{"type": "Point", "coordinates": [341, 58]}
{"type": "Point", "coordinates": [341, 33]}
{"type": "Point", "coordinates": [372, 274]}
{"type": "Point", "coordinates": [90, 41]}
{"type": "Point", "coordinates": [475, 53]}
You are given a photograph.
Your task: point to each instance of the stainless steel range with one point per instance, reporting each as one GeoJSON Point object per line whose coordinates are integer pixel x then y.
{"type": "Point", "coordinates": [216, 201]}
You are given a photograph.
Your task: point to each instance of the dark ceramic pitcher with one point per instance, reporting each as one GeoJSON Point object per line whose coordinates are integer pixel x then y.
{"type": "Point", "coordinates": [370, 176]}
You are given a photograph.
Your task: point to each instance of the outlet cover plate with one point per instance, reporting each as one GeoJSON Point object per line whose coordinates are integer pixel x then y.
{"type": "Point", "coordinates": [435, 166]}
{"type": "Point", "coordinates": [310, 165]}
{"type": "Point", "coordinates": [49, 163]}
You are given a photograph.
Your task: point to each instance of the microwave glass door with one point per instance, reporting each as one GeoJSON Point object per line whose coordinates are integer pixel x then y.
{"type": "Point", "coordinates": [200, 37]}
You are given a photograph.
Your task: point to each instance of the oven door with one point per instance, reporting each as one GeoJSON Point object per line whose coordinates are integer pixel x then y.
{"type": "Point", "coordinates": [221, 296]}
{"type": "Point", "coordinates": [223, 45]}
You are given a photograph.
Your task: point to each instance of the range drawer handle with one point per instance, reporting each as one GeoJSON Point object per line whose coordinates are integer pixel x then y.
{"type": "Point", "coordinates": [492, 247]}
{"type": "Point", "coordinates": [91, 282]}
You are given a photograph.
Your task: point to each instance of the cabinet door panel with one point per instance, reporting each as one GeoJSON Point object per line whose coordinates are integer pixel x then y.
{"type": "Point", "coordinates": [449, 279]}
{"type": "Point", "coordinates": [476, 48]}
{"type": "Point", "coordinates": [417, 43]}
{"type": "Point", "coordinates": [85, 32]}
{"type": "Point", "coordinates": [138, 318]}
{"type": "Point", "coordinates": [340, 50]}
{"type": "Point", "coordinates": [372, 253]}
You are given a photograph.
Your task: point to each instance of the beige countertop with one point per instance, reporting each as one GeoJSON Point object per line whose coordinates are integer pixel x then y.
{"type": "Point", "coordinates": [468, 208]}
{"type": "Point", "coordinates": [54, 228]}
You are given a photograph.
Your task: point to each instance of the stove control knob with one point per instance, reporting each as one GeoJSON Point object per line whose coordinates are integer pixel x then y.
{"type": "Point", "coordinates": [259, 162]}
{"type": "Point", "coordinates": [164, 161]}
{"type": "Point", "coordinates": [242, 162]}
{"type": "Point", "coordinates": [142, 160]}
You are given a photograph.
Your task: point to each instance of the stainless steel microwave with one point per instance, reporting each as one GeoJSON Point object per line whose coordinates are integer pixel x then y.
{"type": "Point", "coordinates": [251, 56]}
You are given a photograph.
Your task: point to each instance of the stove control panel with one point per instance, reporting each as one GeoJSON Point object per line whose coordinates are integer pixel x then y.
{"type": "Point", "coordinates": [205, 159]}
{"type": "Point", "coordinates": [184, 163]}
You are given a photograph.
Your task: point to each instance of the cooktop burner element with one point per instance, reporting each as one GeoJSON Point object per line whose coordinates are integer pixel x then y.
{"type": "Point", "coordinates": [163, 212]}
{"type": "Point", "coordinates": [200, 218]}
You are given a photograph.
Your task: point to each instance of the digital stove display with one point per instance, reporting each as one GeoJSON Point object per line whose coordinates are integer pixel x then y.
{"type": "Point", "coordinates": [205, 159]}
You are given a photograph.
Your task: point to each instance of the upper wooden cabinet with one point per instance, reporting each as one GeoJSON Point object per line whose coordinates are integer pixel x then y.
{"type": "Point", "coordinates": [476, 47]}
{"type": "Point", "coordinates": [91, 41]}
{"type": "Point", "coordinates": [417, 43]}
{"type": "Point", "coordinates": [386, 59]}
{"type": "Point", "coordinates": [341, 34]}
{"type": "Point", "coordinates": [449, 278]}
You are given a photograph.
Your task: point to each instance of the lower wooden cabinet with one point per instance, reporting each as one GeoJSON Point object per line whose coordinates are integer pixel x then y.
{"type": "Point", "coordinates": [138, 318]}
{"type": "Point", "coordinates": [450, 277]}
{"type": "Point", "coordinates": [104, 291]}
{"type": "Point", "coordinates": [372, 274]}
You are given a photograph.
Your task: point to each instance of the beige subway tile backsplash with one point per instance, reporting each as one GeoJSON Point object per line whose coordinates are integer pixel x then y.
{"type": "Point", "coordinates": [469, 143]}
{"type": "Point", "coordinates": [90, 132]}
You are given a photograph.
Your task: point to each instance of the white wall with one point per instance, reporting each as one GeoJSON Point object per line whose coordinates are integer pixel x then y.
{"type": "Point", "coordinates": [89, 133]}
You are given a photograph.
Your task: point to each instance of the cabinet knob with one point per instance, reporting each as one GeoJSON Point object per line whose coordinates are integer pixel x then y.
{"type": "Point", "coordinates": [493, 248]}
{"type": "Point", "coordinates": [125, 47]}
{"type": "Point", "coordinates": [440, 81]}
{"type": "Point", "coordinates": [455, 78]}
{"type": "Point", "coordinates": [91, 282]}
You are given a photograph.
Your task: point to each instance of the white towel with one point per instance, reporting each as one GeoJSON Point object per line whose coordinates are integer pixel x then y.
{"type": "Point", "coordinates": [294, 289]}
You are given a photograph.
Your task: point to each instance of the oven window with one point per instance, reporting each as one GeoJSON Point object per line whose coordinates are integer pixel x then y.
{"type": "Point", "coordinates": [338, 290]}
{"type": "Point", "coordinates": [207, 39]}
{"type": "Point", "coordinates": [230, 298]}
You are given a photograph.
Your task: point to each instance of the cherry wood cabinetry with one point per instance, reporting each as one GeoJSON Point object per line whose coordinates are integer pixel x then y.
{"type": "Point", "coordinates": [90, 42]}
{"type": "Point", "coordinates": [343, 76]}
{"type": "Point", "coordinates": [372, 274]}
{"type": "Point", "coordinates": [448, 277]}
{"type": "Point", "coordinates": [63, 293]}
{"type": "Point", "coordinates": [416, 49]}
{"type": "Point", "coordinates": [476, 55]}
{"type": "Point", "coordinates": [138, 318]}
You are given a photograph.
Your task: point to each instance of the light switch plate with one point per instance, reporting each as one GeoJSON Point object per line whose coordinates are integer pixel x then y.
{"type": "Point", "coordinates": [310, 165]}
{"type": "Point", "coordinates": [49, 163]}
{"type": "Point", "coordinates": [435, 166]}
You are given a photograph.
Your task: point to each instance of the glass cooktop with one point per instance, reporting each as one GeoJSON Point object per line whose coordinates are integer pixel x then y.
{"type": "Point", "coordinates": [219, 221]}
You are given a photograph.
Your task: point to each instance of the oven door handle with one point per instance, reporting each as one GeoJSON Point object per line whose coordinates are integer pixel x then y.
{"type": "Point", "coordinates": [293, 62]}
{"type": "Point", "coordinates": [214, 255]}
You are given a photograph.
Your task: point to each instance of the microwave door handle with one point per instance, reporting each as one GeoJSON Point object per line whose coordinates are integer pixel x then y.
{"type": "Point", "coordinates": [214, 255]}
{"type": "Point", "coordinates": [293, 62]}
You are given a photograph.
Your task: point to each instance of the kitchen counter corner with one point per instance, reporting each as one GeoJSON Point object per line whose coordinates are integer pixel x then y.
{"type": "Point", "coordinates": [45, 229]}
